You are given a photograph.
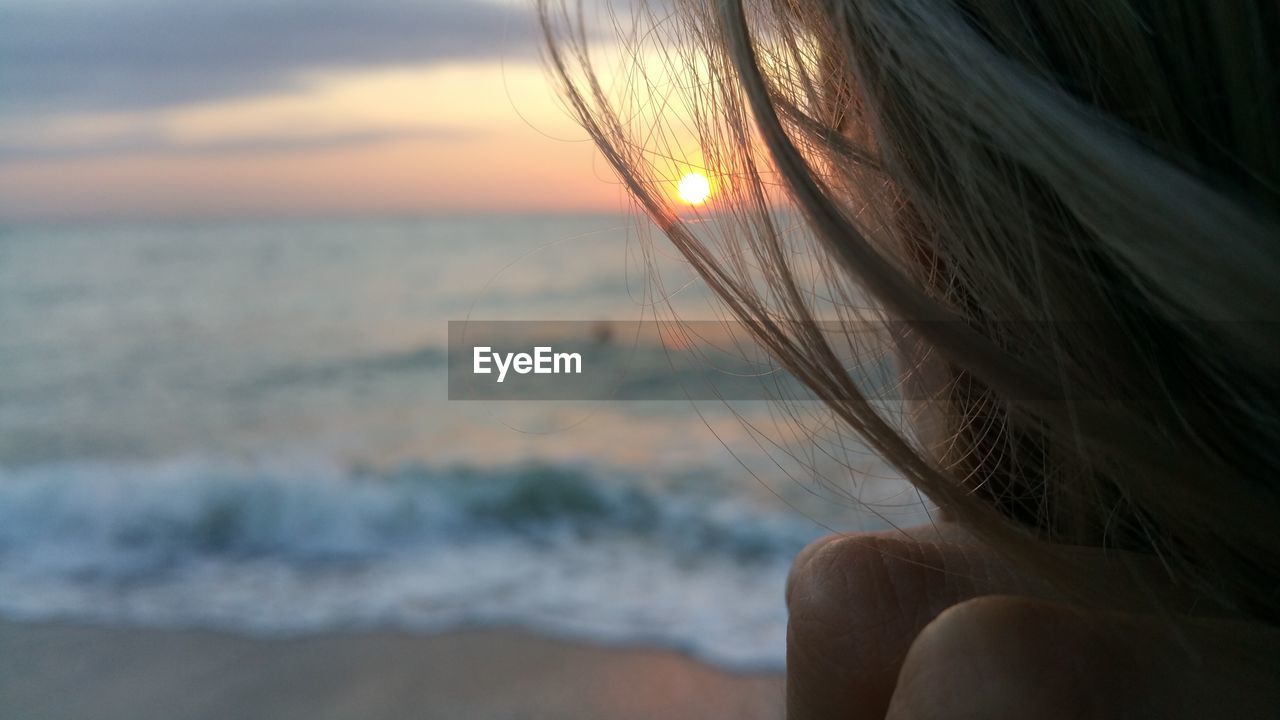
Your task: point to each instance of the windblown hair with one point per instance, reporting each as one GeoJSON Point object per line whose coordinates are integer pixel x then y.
{"type": "Point", "coordinates": [1072, 208]}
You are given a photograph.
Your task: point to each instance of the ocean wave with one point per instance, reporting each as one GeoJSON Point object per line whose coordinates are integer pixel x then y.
{"type": "Point", "coordinates": [313, 510]}
{"type": "Point", "coordinates": [299, 546]}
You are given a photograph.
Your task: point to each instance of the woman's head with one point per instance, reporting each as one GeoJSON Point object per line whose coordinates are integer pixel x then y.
{"type": "Point", "coordinates": [1067, 213]}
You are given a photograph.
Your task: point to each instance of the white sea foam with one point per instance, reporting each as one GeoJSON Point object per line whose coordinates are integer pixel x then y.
{"type": "Point", "coordinates": [290, 547]}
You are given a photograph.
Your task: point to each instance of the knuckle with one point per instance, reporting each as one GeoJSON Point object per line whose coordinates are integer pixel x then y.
{"type": "Point", "coordinates": [848, 585]}
{"type": "Point", "coordinates": [845, 624]}
{"type": "Point", "coordinates": [835, 570]}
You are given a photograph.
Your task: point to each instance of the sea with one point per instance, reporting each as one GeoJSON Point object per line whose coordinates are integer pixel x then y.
{"type": "Point", "coordinates": [244, 425]}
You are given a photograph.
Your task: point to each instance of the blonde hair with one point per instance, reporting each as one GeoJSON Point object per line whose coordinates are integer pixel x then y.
{"type": "Point", "coordinates": [1072, 207]}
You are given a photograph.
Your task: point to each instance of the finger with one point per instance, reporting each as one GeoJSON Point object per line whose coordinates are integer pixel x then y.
{"type": "Point", "coordinates": [856, 603]}
{"type": "Point", "coordinates": [1017, 657]}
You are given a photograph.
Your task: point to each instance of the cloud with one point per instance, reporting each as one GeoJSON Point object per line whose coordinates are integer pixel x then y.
{"type": "Point", "coordinates": [62, 56]}
{"type": "Point", "coordinates": [151, 142]}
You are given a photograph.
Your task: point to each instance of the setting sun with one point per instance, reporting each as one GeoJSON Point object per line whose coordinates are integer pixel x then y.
{"type": "Point", "coordinates": [694, 188]}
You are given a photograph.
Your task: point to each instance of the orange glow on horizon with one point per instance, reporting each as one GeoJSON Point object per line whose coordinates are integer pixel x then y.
{"type": "Point", "coordinates": [356, 142]}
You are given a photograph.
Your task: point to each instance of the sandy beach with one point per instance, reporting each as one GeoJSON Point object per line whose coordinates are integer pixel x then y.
{"type": "Point", "coordinates": [55, 670]}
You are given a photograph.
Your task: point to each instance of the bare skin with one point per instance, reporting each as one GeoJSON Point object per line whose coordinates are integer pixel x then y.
{"type": "Point", "coordinates": [922, 625]}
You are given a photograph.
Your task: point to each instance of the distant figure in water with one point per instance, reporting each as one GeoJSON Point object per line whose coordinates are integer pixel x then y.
{"type": "Point", "coordinates": [1066, 216]}
{"type": "Point", "coordinates": [602, 333]}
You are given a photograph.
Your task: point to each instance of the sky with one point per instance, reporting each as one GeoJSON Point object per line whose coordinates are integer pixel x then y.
{"type": "Point", "coordinates": [233, 108]}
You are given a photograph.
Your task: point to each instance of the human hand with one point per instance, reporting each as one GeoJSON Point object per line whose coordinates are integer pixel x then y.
{"type": "Point", "coordinates": [928, 623]}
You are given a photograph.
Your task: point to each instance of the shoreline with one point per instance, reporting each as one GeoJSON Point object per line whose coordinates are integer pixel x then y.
{"type": "Point", "coordinates": [73, 670]}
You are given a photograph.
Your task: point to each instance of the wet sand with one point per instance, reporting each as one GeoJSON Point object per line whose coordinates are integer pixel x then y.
{"type": "Point", "coordinates": [53, 670]}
